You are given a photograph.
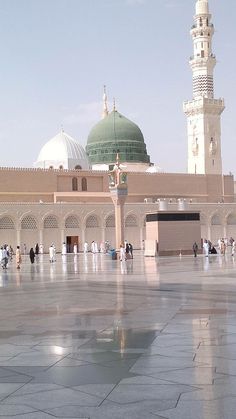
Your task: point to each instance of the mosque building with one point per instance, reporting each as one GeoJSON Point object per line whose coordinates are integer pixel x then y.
{"type": "Point", "coordinates": [66, 197]}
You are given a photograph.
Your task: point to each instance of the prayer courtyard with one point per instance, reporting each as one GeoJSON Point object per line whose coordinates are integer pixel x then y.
{"type": "Point", "coordinates": [94, 338]}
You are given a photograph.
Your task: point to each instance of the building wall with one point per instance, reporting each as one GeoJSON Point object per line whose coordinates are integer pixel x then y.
{"type": "Point", "coordinates": [34, 185]}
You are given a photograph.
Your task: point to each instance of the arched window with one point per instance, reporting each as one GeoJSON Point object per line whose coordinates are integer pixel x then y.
{"type": "Point", "coordinates": [84, 186]}
{"type": "Point", "coordinates": [92, 221]}
{"type": "Point", "coordinates": [50, 222]}
{"type": "Point", "coordinates": [6, 223]}
{"type": "Point", "coordinates": [74, 184]}
{"type": "Point", "coordinates": [61, 167]}
{"type": "Point", "coordinates": [215, 221]}
{"type": "Point", "coordinates": [78, 167]}
{"type": "Point", "coordinates": [110, 221]}
{"type": "Point", "coordinates": [72, 222]}
{"type": "Point", "coordinates": [28, 223]}
{"type": "Point", "coordinates": [130, 221]}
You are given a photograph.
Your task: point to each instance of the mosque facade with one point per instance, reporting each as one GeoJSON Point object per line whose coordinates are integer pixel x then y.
{"type": "Point", "coordinates": [66, 197]}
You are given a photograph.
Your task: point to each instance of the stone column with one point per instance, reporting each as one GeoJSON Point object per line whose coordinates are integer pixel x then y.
{"type": "Point", "coordinates": [119, 191]}
{"type": "Point", "coordinates": [18, 237]}
{"type": "Point", "coordinates": [62, 235]}
{"type": "Point", "coordinates": [40, 236]}
{"type": "Point", "coordinates": [118, 195]}
{"type": "Point", "coordinates": [141, 238]}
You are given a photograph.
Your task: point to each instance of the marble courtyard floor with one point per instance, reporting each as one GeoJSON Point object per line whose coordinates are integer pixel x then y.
{"type": "Point", "coordinates": [88, 337]}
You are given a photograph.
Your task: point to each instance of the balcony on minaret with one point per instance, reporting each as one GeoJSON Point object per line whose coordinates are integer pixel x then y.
{"type": "Point", "coordinates": [204, 105]}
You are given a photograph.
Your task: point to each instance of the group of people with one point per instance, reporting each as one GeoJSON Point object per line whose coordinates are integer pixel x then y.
{"type": "Point", "coordinates": [95, 248]}
{"type": "Point", "coordinates": [209, 248]}
{"type": "Point", "coordinates": [126, 251]}
{"type": "Point", "coordinates": [6, 256]}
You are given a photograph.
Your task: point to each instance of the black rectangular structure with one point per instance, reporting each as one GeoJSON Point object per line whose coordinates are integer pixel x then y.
{"type": "Point", "coordinates": [177, 216]}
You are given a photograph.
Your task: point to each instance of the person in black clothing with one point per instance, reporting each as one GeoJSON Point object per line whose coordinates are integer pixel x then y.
{"type": "Point", "coordinates": [131, 250]}
{"type": "Point", "coordinates": [195, 249]}
{"type": "Point", "coordinates": [32, 255]}
{"type": "Point", "coordinates": [37, 249]}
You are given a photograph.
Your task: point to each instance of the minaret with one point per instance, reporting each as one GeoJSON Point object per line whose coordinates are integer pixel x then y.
{"type": "Point", "coordinates": [105, 106]}
{"type": "Point", "coordinates": [204, 111]}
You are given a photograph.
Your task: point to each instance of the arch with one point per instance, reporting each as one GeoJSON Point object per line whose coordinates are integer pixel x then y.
{"type": "Point", "coordinates": [131, 221]}
{"type": "Point", "coordinates": [215, 220]}
{"type": "Point", "coordinates": [71, 222]}
{"type": "Point", "coordinates": [50, 222]}
{"type": "Point", "coordinates": [78, 167]}
{"type": "Point", "coordinates": [110, 221]}
{"type": "Point", "coordinates": [74, 184]}
{"type": "Point", "coordinates": [92, 221]}
{"type": "Point", "coordinates": [6, 223]}
{"type": "Point", "coordinates": [84, 185]}
{"type": "Point", "coordinates": [231, 219]}
{"type": "Point", "coordinates": [28, 223]}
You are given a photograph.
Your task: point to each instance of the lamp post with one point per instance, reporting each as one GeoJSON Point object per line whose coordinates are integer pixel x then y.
{"type": "Point", "coordinates": [119, 190]}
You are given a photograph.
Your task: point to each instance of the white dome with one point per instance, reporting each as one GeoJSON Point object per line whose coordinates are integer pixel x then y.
{"type": "Point", "coordinates": [62, 151]}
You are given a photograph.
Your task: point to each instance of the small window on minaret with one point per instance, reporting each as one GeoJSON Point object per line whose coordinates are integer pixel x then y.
{"type": "Point", "coordinates": [213, 162]}
{"type": "Point", "coordinates": [207, 21]}
{"type": "Point", "coordinates": [200, 21]}
{"type": "Point", "coordinates": [195, 169]}
{"type": "Point", "coordinates": [202, 54]}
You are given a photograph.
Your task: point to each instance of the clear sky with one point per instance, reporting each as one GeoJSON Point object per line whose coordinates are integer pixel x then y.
{"type": "Point", "coordinates": [57, 54]}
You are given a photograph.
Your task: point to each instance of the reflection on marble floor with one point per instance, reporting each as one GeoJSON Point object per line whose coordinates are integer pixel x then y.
{"type": "Point", "coordinates": [89, 337]}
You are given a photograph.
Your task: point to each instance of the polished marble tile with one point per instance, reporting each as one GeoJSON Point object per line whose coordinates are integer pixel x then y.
{"type": "Point", "coordinates": [97, 343]}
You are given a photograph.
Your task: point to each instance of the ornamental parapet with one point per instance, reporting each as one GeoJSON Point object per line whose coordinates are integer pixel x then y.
{"type": "Point", "coordinates": [203, 104]}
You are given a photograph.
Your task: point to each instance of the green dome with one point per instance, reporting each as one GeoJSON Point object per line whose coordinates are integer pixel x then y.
{"type": "Point", "coordinates": [116, 134]}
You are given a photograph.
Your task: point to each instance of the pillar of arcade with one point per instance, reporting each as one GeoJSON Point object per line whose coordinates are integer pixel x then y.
{"type": "Point", "coordinates": [119, 190]}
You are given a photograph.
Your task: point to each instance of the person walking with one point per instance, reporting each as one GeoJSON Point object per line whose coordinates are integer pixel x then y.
{"type": "Point", "coordinates": [18, 257]}
{"type": "Point", "coordinates": [32, 255]}
{"type": "Point", "coordinates": [36, 249]}
{"type": "Point", "coordinates": [122, 252]}
{"type": "Point", "coordinates": [195, 249]}
{"type": "Point", "coordinates": [131, 250]}
{"type": "Point", "coordinates": [233, 248]}
{"type": "Point", "coordinates": [51, 253]}
{"type": "Point", "coordinates": [4, 257]}
{"type": "Point", "coordinates": [206, 248]}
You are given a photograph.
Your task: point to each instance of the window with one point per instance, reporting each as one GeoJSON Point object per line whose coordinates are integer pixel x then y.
{"type": "Point", "coordinates": [130, 221]}
{"type": "Point", "coordinates": [50, 222]}
{"type": "Point", "coordinates": [74, 184]}
{"type": "Point", "coordinates": [84, 184]}
{"type": "Point", "coordinates": [92, 221]}
{"type": "Point", "coordinates": [72, 222]}
{"type": "Point", "coordinates": [78, 167]}
{"type": "Point", "coordinates": [61, 167]}
{"type": "Point", "coordinates": [6, 223]}
{"type": "Point", "coordinates": [28, 223]}
{"type": "Point", "coordinates": [110, 221]}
